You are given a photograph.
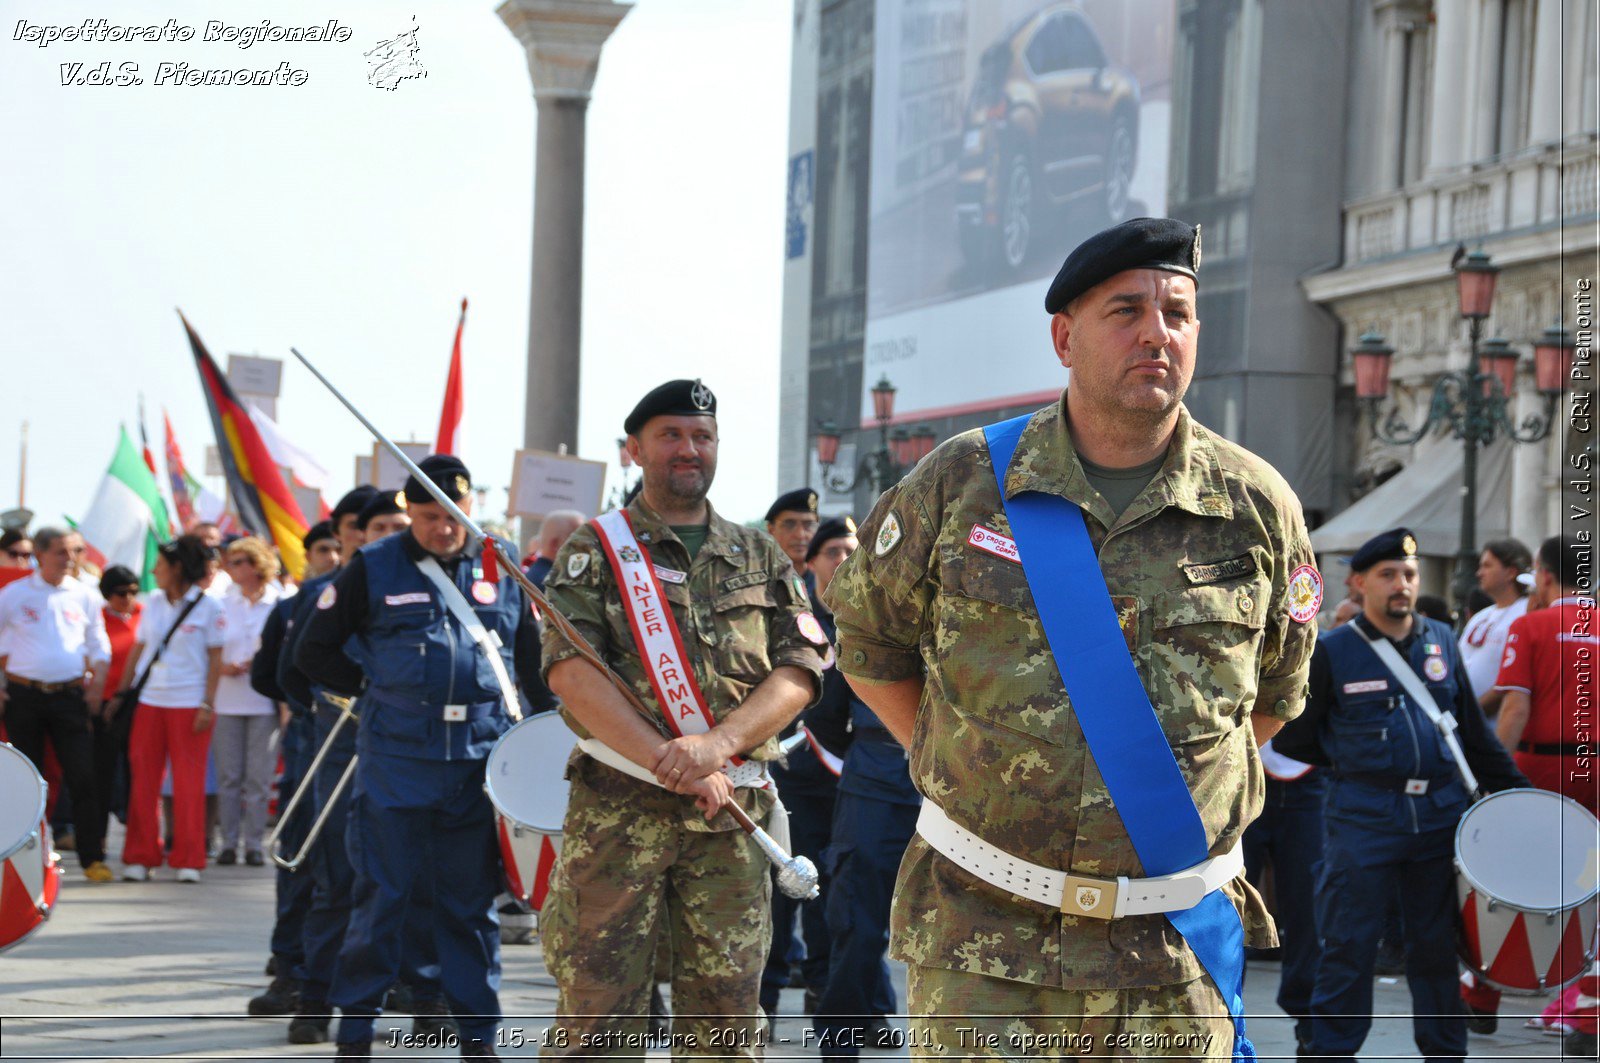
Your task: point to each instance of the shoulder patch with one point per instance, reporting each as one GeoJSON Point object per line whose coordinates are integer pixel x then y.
{"type": "Point", "coordinates": [328, 597]}
{"type": "Point", "coordinates": [811, 628]}
{"type": "Point", "coordinates": [1305, 594]}
{"type": "Point", "coordinates": [576, 564]}
{"type": "Point", "coordinates": [888, 535]}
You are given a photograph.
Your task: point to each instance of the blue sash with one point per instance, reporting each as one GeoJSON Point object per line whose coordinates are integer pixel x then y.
{"type": "Point", "coordinates": [1113, 708]}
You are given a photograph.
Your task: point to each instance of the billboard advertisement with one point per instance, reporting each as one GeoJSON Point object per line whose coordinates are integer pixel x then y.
{"type": "Point", "coordinates": [1003, 133]}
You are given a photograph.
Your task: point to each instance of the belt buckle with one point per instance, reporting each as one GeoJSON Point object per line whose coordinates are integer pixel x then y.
{"type": "Point", "coordinates": [1092, 898]}
{"type": "Point", "coordinates": [455, 713]}
{"type": "Point", "coordinates": [1416, 786]}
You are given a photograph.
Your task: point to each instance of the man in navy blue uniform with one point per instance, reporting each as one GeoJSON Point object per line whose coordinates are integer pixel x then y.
{"type": "Point", "coordinates": [1394, 799]}
{"type": "Point", "coordinates": [873, 820]}
{"type": "Point", "coordinates": [433, 636]}
{"type": "Point", "coordinates": [807, 784]}
{"type": "Point", "coordinates": [292, 891]}
{"type": "Point", "coordinates": [363, 516]}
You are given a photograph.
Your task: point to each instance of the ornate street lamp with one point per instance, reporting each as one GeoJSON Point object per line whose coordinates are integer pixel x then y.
{"type": "Point", "coordinates": [1474, 403]}
{"type": "Point", "coordinates": [896, 453]}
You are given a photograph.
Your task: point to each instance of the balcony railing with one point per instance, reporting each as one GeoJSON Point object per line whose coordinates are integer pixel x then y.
{"type": "Point", "coordinates": [1536, 187]}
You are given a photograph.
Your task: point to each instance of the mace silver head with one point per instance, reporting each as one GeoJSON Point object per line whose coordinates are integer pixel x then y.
{"type": "Point", "coordinates": [797, 878]}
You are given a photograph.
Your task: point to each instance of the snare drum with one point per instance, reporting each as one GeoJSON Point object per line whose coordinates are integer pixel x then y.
{"type": "Point", "coordinates": [526, 782]}
{"type": "Point", "coordinates": [30, 874]}
{"type": "Point", "coordinates": [1527, 878]}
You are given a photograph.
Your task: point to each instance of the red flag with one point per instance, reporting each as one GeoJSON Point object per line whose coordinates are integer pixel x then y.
{"type": "Point", "coordinates": [263, 500]}
{"type": "Point", "coordinates": [450, 415]}
{"type": "Point", "coordinates": [178, 476]}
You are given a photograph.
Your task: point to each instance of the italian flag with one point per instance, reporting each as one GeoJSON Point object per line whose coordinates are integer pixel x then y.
{"type": "Point", "coordinates": [127, 519]}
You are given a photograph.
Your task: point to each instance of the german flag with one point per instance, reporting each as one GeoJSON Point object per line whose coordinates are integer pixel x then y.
{"type": "Point", "coordinates": [258, 492]}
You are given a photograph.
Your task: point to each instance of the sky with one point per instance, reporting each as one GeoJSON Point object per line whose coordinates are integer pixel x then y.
{"type": "Point", "coordinates": [349, 221]}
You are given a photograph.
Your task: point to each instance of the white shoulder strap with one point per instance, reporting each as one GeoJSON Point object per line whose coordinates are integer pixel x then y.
{"type": "Point", "coordinates": [456, 602]}
{"type": "Point", "coordinates": [1444, 722]}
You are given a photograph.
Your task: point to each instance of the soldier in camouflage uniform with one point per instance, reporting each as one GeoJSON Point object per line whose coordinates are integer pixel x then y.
{"type": "Point", "coordinates": [638, 860]}
{"type": "Point", "coordinates": [1204, 551]}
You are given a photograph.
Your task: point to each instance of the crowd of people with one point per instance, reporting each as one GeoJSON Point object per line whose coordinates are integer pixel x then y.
{"type": "Point", "coordinates": [950, 712]}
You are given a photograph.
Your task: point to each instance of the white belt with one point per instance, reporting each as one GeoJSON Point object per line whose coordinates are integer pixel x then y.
{"type": "Point", "coordinates": [1082, 895]}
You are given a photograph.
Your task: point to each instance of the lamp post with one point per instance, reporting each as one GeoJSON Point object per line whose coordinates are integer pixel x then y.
{"type": "Point", "coordinates": [897, 451]}
{"type": "Point", "coordinates": [1474, 403]}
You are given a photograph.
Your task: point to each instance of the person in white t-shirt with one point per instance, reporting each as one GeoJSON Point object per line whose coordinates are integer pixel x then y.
{"type": "Point", "coordinates": [1483, 641]}
{"type": "Point", "coordinates": [174, 715]}
{"type": "Point", "coordinates": [242, 749]}
{"type": "Point", "coordinates": [53, 660]}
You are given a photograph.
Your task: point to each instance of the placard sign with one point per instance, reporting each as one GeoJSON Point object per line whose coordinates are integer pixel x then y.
{"type": "Point", "coordinates": [250, 375]}
{"type": "Point", "coordinates": [363, 469]}
{"type": "Point", "coordinates": [387, 472]}
{"type": "Point", "coordinates": [542, 482]}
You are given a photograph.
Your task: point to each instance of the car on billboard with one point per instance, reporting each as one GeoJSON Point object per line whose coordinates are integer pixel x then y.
{"type": "Point", "coordinates": [1050, 122]}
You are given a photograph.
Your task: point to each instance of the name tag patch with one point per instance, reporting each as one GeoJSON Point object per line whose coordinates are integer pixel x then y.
{"type": "Point", "coordinates": [1217, 571]}
{"type": "Point", "coordinates": [743, 579]}
{"type": "Point", "coordinates": [669, 575]}
{"type": "Point", "coordinates": [414, 598]}
{"type": "Point", "coordinates": [1366, 686]}
{"type": "Point", "coordinates": [992, 542]}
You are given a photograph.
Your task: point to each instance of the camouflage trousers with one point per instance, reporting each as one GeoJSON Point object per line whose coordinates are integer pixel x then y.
{"type": "Point", "coordinates": [962, 1015]}
{"type": "Point", "coordinates": [631, 874]}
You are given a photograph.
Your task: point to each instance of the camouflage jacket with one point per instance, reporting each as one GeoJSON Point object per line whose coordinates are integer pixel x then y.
{"type": "Point", "coordinates": [737, 608]}
{"type": "Point", "coordinates": [1198, 567]}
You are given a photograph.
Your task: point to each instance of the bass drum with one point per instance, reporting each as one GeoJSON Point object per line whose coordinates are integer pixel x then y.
{"type": "Point", "coordinates": [526, 782]}
{"type": "Point", "coordinates": [1527, 878]}
{"type": "Point", "coordinates": [30, 874]}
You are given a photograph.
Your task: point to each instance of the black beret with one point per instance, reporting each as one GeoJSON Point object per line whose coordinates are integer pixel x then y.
{"type": "Point", "coordinates": [1138, 243]}
{"type": "Point", "coordinates": [322, 529]}
{"type": "Point", "coordinates": [447, 472]}
{"type": "Point", "coordinates": [381, 504]}
{"type": "Point", "coordinates": [1396, 544]}
{"type": "Point", "coordinates": [675, 398]}
{"type": "Point", "coordinates": [832, 528]}
{"type": "Point", "coordinates": [351, 503]}
{"type": "Point", "coordinates": [803, 500]}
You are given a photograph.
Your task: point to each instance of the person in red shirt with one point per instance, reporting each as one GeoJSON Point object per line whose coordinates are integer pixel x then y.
{"type": "Point", "coordinates": [120, 589]}
{"type": "Point", "coordinates": [1547, 721]}
{"type": "Point", "coordinates": [1547, 717]}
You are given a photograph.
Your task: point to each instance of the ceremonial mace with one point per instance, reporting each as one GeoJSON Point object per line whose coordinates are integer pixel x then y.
{"type": "Point", "coordinates": [797, 876]}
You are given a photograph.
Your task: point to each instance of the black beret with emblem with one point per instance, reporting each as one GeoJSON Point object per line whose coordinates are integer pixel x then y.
{"type": "Point", "coordinates": [1138, 243]}
{"type": "Point", "coordinates": [832, 528]}
{"type": "Point", "coordinates": [447, 472]}
{"type": "Point", "coordinates": [803, 500]}
{"type": "Point", "coordinates": [352, 502]}
{"type": "Point", "coordinates": [381, 504]}
{"type": "Point", "coordinates": [675, 398]}
{"type": "Point", "coordinates": [1396, 544]}
{"type": "Point", "coordinates": [319, 531]}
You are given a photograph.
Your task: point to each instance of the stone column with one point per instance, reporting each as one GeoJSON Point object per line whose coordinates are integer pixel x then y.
{"type": "Point", "coordinates": [563, 39]}
{"type": "Point", "coordinates": [1447, 125]}
{"type": "Point", "coordinates": [1395, 19]}
{"type": "Point", "coordinates": [1545, 106]}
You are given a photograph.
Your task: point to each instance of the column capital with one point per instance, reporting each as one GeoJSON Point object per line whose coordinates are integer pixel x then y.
{"type": "Point", "coordinates": [563, 40]}
{"type": "Point", "coordinates": [1401, 14]}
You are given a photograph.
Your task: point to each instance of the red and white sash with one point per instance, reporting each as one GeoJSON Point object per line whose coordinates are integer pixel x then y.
{"type": "Point", "coordinates": [657, 639]}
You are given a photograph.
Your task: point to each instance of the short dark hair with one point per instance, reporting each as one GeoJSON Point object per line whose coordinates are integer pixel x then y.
{"type": "Point", "coordinates": [115, 577]}
{"type": "Point", "coordinates": [1511, 553]}
{"type": "Point", "coordinates": [12, 536]}
{"type": "Point", "coordinates": [1569, 561]}
{"type": "Point", "coordinates": [1434, 608]}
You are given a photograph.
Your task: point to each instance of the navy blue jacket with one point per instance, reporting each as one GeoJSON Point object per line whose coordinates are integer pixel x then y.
{"type": "Point", "coordinates": [1360, 721]}
{"type": "Point", "coordinates": [382, 630]}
